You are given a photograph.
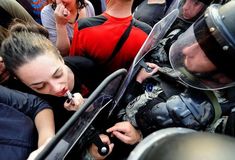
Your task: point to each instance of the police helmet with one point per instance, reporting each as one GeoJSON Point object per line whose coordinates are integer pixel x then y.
{"type": "Point", "coordinates": [205, 54]}
{"type": "Point", "coordinates": [185, 145]}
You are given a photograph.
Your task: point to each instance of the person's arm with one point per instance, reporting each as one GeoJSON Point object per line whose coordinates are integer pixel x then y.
{"type": "Point", "coordinates": [34, 107]}
{"type": "Point", "coordinates": [44, 122]}
{"type": "Point", "coordinates": [62, 40]}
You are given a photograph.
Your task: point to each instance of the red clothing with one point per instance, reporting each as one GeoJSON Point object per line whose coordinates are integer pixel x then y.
{"type": "Point", "coordinates": [96, 37]}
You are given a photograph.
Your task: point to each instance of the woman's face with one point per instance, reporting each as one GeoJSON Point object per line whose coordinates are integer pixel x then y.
{"type": "Point", "coordinates": [46, 74]}
{"type": "Point", "coordinates": [195, 59]}
{"type": "Point", "coordinates": [191, 8]}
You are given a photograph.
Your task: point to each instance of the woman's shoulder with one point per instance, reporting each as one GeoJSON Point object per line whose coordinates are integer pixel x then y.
{"type": "Point", "coordinates": [90, 9]}
{"type": "Point", "coordinates": [47, 10]}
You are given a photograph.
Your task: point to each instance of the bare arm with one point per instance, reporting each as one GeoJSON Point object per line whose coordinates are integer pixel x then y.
{"type": "Point", "coordinates": [44, 122]}
{"type": "Point", "coordinates": [61, 18]}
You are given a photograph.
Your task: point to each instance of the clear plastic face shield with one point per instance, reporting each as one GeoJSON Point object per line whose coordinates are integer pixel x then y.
{"type": "Point", "coordinates": [189, 57]}
{"type": "Point", "coordinates": [190, 10]}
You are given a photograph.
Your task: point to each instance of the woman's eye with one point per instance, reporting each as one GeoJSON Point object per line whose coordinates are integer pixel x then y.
{"type": "Point", "coordinates": [58, 75]}
{"type": "Point", "coordinates": [40, 87]}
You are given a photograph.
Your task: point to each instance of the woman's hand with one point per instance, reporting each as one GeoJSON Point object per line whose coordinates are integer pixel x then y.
{"type": "Point", "coordinates": [142, 75]}
{"type": "Point", "coordinates": [75, 103]}
{"type": "Point", "coordinates": [62, 14]}
{"type": "Point", "coordinates": [125, 132]}
{"type": "Point", "coordinates": [93, 150]}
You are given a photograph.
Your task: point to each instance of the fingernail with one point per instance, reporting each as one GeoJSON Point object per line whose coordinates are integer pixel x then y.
{"type": "Point", "coordinates": [68, 100]}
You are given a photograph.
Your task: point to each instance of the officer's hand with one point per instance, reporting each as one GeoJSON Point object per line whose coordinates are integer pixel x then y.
{"type": "Point", "coordinates": [75, 103]}
{"type": "Point", "coordinates": [93, 150]}
{"type": "Point", "coordinates": [125, 132]}
{"type": "Point", "coordinates": [143, 74]}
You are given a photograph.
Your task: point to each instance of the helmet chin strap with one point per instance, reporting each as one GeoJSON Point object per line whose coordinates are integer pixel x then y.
{"type": "Point", "coordinates": [206, 74]}
{"type": "Point", "coordinates": [215, 76]}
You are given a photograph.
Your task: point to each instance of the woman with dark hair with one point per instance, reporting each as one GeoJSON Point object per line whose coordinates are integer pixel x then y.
{"type": "Point", "coordinates": [59, 17]}
{"type": "Point", "coordinates": [35, 61]}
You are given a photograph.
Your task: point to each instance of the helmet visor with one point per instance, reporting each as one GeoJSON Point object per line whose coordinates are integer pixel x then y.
{"type": "Point", "coordinates": [196, 69]}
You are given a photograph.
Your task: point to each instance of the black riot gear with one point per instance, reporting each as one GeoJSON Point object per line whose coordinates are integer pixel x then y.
{"type": "Point", "coordinates": [191, 98]}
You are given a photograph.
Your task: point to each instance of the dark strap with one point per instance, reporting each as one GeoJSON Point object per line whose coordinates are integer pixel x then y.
{"type": "Point", "coordinates": [216, 105]}
{"type": "Point", "coordinates": [120, 43]}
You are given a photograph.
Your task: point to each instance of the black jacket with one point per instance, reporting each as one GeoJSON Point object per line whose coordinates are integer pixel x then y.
{"type": "Point", "coordinates": [17, 131]}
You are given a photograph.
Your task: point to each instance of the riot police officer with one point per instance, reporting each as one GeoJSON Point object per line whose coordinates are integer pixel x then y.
{"type": "Point", "coordinates": [211, 37]}
{"type": "Point", "coordinates": [200, 90]}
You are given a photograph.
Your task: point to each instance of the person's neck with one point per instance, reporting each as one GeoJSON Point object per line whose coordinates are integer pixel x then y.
{"type": "Point", "coordinates": [119, 10]}
{"type": "Point", "coordinates": [74, 14]}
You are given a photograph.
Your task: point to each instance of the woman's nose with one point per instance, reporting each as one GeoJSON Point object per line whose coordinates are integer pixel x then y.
{"type": "Point", "coordinates": [55, 88]}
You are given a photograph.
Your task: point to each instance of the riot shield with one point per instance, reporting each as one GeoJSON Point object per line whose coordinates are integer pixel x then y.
{"type": "Point", "coordinates": [73, 132]}
{"type": "Point", "coordinates": [96, 111]}
{"type": "Point", "coordinates": [158, 32]}
{"type": "Point", "coordinates": [175, 4]}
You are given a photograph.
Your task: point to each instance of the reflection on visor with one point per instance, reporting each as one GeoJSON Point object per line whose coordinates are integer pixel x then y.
{"type": "Point", "coordinates": [205, 81]}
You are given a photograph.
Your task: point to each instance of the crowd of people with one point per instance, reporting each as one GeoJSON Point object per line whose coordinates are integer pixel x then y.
{"type": "Point", "coordinates": [51, 48]}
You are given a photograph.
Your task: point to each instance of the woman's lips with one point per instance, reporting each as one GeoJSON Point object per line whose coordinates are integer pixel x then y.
{"type": "Point", "coordinates": [62, 92]}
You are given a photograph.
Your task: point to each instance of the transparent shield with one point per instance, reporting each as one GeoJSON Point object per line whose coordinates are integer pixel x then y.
{"type": "Point", "coordinates": [175, 4]}
{"type": "Point", "coordinates": [73, 131]}
{"type": "Point", "coordinates": [190, 60]}
{"type": "Point", "coordinates": [158, 32]}
{"type": "Point", "coordinates": [102, 101]}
